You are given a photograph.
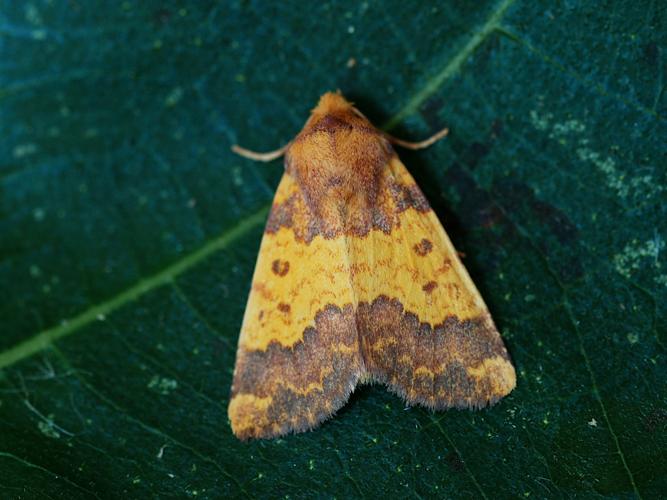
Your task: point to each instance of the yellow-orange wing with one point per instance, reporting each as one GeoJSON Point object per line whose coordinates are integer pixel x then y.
{"type": "Point", "coordinates": [298, 355]}
{"type": "Point", "coordinates": [424, 329]}
{"type": "Point", "coordinates": [356, 279]}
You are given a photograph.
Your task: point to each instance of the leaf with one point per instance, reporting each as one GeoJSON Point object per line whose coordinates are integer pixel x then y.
{"type": "Point", "coordinates": [129, 231]}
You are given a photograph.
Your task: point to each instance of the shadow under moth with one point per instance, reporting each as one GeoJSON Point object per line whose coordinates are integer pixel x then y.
{"type": "Point", "coordinates": [357, 281]}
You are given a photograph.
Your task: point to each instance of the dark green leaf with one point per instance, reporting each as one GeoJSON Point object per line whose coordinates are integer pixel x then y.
{"type": "Point", "coordinates": [129, 231]}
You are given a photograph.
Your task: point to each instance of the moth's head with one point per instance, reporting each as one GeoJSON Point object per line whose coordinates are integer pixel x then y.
{"type": "Point", "coordinates": [332, 103]}
{"type": "Point", "coordinates": [333, 110]}
{"type": "Point", "coordinates": [338, 153]}
{"type": "Point", "coordinates": [336, 136]}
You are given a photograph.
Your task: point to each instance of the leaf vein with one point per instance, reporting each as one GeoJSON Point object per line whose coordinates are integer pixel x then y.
{"type": "Point", "coordinates": [456, 450]}
{"type": "Point", "coordinates": [105, 399]}
{"type": "Point", "coordinates": [582, 348]}
{"type": "Point", "coordinates": [597, 87]}
{"type": "Point", "coordinates": [46, 337]}
{"type": "Point", "coordinates": [47, 471]}
{"type": "Point", "coordinates": [452, 66]}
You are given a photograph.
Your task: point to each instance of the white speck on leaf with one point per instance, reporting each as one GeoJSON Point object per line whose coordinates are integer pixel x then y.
{"type": "Point", "coordinates": [32, 15]}
{"type": "Point", "coordinates": [564, 129]}
{"type": "Point", "coordinates": [540, 122]}
{"type": "Point", "coordinates": [162, 385]}
{"type": "Point", "coordinates": [46, 424]}
{"type": "Point", "coordinates": [636, 252]}
{"type": "Point", "coordinates": [47, 428]}
{"type": "Point", "coordinates": [38, 34]}
{"type": "Point", "coordinates": [173, 97]}
{"type": "Point", "coordinates": [237, 178]}
{"type": "Point", "coordinates": [38, 214]}
{"type": "Point", "coordinates": [23, 150]}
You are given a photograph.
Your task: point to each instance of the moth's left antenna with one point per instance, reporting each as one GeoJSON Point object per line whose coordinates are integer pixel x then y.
{"type": "Point", "coordinates": [254, 155]}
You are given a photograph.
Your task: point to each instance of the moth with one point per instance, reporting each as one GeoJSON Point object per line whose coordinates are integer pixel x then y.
{"type": "Point", "coordinates": [357, 281]}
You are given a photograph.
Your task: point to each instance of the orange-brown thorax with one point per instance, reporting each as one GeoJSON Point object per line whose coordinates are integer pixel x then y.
{"type": "Point", "coordinates": [337, 159]}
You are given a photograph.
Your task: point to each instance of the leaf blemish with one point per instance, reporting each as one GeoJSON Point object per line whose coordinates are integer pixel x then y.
{"type": "Point", "coordinates": [162, 385]}
{"type": "Point", "coordinates": [173, 97]}
{"type": "Point", "coordinates": [47, 428]}
{"type": "Point", "coordinates": [23, 150]}
{"type": "Point", "coordinates": [616, 179]}
{"type": "Point", "coordinates": [635, 253]}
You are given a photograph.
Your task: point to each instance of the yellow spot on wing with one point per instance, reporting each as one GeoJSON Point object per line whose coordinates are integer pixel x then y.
{"type": "Point", "coordinates": [397, 272]}
{"type": "Point", "coordinates": [247, 410]}
{"type": "Point", "coordinates": [316, 278]}
{"type": "Point", "coordinates": [498, 371]}
{"type": "Point", "coordinates": [422, 370]}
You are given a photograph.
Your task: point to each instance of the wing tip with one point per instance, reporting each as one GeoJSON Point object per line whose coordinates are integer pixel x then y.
{"type": "Point", "coordinates": [249, 416]}
{"type": "Point", "coordinates": [476, 391]}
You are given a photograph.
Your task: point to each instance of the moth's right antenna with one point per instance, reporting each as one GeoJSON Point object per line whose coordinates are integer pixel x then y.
{"type": "Point", "coordinates": [418, 145]}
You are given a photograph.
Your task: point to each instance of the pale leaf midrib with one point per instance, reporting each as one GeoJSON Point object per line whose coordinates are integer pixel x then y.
{"type": "Point", "coordinates": [42, 339]}
{"type": "Point", "coordinates": [452, 66]}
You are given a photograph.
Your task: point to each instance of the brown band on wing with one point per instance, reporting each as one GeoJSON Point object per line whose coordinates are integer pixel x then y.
{"type": "Point", "coordinates": [308, 221]}
{"type": "Point", "coordinates": [295, 215]}
{"type": "Point", "coordinates": [410, 196]}
{"type": "Point", "coordinates": [291, 389]}
{"type": "Point", "coordinates": [334, 125]}
{"type": "Point", "coordinates": [455, 363]}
